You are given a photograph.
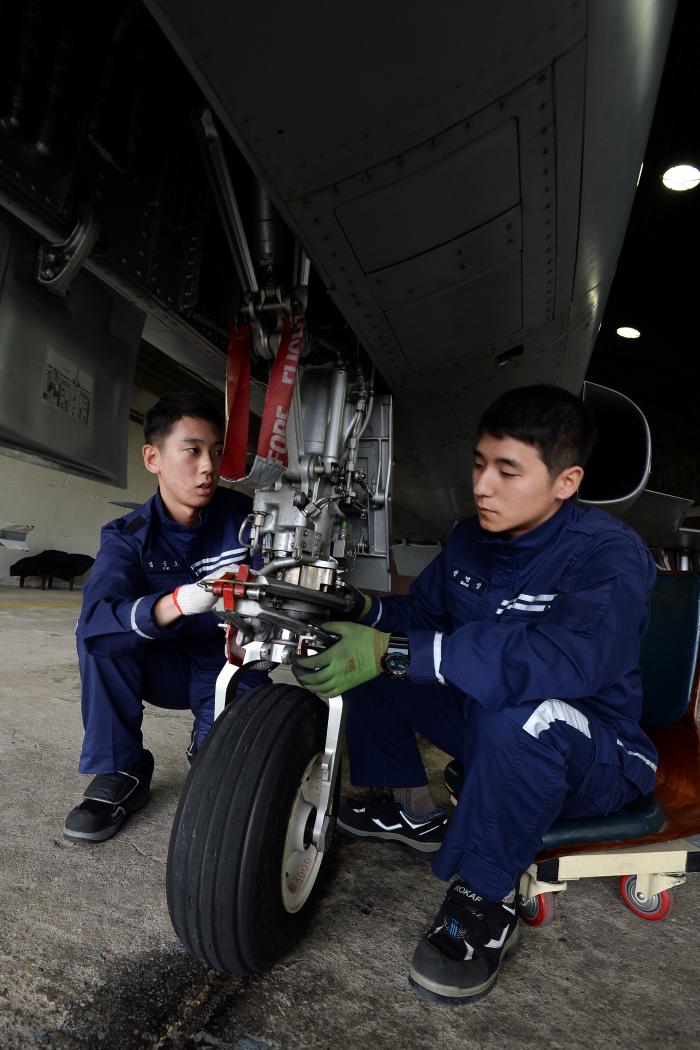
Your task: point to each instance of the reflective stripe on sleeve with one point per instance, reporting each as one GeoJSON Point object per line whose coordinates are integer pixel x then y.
{"type": "Point", "coordinates": [134, 627]}
{"type": "Point", "coordinates": [379, 614]}
{"type": "Point", "coordinates": [437, 656]}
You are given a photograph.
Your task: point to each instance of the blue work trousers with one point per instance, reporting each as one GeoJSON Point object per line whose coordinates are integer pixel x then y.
{"type": "Point", "coordinates": [165, 674]}
{"type": "Point", "coordinates": [525, 766]}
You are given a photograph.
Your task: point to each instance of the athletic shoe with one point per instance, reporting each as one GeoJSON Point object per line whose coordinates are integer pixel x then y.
{"type": "Point", "coordinates": [380, 817]}
{"type": "Point", "coordinates": [108, 800]}
{"type": "Point", "coordinates": [458, 960]}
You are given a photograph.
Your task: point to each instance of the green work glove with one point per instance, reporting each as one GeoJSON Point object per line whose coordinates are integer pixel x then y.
{"type": "Point", "coordinates": [355, 659]}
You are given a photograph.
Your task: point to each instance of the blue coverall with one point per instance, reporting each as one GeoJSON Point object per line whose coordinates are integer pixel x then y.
{"type": "Point", "coordinates": [125, 657]}
{"type": "Point", "coordinates": [525, 666]}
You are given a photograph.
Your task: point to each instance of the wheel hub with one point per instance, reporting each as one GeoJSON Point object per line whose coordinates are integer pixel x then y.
{"type": "Point", "coordinates": [301, 860]}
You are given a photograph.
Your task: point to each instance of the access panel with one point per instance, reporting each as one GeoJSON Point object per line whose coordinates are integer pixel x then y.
{"type": "Point", "coordinates": [66, 367]}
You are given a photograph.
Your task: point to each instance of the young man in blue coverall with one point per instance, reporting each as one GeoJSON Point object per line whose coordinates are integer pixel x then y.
{"type": "Point", "coordinates": [516, 651]}
{"type": "Point", "coordinates": [146, 631]}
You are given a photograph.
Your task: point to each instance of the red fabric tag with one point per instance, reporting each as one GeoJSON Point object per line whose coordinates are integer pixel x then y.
{"type": "Point", "coordinates": [272, 444]}
{"type": "Point", "coordinates": [237, 403]}
{"type": "Point", "coordinates": [271, 459]}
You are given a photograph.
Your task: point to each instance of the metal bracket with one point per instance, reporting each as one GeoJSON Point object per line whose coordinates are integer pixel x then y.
{"type": "Point", "coordinates": [530, 886]}
{"type": "Point", "coordinates": [252, 653]}
{"type": "Point", "coordinates": [337, 711]}
{"type": "Point", "coordinates": [302, 266]}
{"type": "Point", "coordinates": [648, 885]}
{"type": "Point", "coordinates": [58, 264]}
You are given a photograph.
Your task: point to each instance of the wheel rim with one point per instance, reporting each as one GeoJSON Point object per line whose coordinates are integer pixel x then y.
{"type": "Point", "coordinates": [538, 910]}
{"type": "Point", "coordinates": [528, 907]}
{"type": "Point", "coordinates": [301, 860]}
{"type": "Point", "coordinates": [648, 905]}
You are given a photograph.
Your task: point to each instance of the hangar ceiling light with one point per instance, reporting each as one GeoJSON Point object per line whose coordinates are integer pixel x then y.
{"type": "Point", "coordinates": [681, 177]}
{"type": "Point", "coordinates": [629, 333]}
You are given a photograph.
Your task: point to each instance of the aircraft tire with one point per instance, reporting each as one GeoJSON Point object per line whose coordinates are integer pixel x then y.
{"type": "Point", "coordinates": [242, 874]}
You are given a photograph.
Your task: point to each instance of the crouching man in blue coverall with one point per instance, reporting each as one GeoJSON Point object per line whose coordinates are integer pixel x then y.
{"type": "Point", "coordinates": [516, 651]}
{"type": "Point", "coordinates": [146, 630]}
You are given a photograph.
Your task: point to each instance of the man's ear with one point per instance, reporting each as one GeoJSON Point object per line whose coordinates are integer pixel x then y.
{"type": "Point", "coordinates": [151, 458]}
{"type": "Point", "coordinates": [567, 483]}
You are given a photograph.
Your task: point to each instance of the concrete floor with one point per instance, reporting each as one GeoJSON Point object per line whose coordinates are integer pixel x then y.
{"type": "Point", "coordinates": [88, 957]}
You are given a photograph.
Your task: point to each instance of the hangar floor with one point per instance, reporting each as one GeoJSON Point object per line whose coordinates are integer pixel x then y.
{"type": "Point", "coordinates": [88, 957]}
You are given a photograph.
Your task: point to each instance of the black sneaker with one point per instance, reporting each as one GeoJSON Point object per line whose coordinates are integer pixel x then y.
{"type": "Point", "coordinates": [107, 801]}
{"type": "Point", "coordinates": [459, 959]}
{"type": "Point", "coordinates": [380, 817]}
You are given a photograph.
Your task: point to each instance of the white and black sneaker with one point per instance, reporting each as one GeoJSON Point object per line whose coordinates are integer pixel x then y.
{"type": "Point", "coordinates": [108, 800]}
{"type": "Point", "coordinates": [380, 817]}
{"type": "Point", "coordinates": [459, 959]}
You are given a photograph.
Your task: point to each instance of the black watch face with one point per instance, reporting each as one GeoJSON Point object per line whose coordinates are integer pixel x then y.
{"type": "Point", "coordinates": [396, 664]}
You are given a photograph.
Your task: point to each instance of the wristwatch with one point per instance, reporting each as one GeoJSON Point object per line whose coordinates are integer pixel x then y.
{"type": "Point", "coordinates": [397, 658]}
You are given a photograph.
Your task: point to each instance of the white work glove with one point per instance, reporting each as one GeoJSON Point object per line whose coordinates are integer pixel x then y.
{"type": "Point", "coordinates": [190, 598]}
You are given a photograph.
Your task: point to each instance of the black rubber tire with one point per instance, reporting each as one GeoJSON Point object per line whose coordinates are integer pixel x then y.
{"type": "Point", "coordinates": [225, 858]}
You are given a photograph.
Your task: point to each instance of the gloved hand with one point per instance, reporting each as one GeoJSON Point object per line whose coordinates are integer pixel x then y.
{"type": "Point", "coordinates": [355, 659]}
{"type": "Point", "coordinates": [190, 598]}
{"type": "Point", "coordinates": [358, 603]}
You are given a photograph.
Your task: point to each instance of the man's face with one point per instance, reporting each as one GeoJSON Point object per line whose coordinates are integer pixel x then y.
{"type": "Point", "coordinates": [513, 490]}
{"type": "Point", "coordinates": [187, 466]}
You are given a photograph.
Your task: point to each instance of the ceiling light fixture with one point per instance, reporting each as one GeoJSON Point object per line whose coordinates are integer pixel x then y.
{"type": "Point", "coordinates": [629, 333]}
{"type": "Point", "coordinates": [681, 177]}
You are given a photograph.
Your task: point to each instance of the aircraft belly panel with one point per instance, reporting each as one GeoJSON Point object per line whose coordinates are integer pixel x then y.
{"type": "Point", "coordinates": [318, 92]}
{"type": "Point", "coordinates": [509, 145]}
{"type": "Point", "coordinates": [455, 262]}
{"type": "Point", "coordinates": [452, 324]}
{"type": "Point", "coordinates": [413, 214]}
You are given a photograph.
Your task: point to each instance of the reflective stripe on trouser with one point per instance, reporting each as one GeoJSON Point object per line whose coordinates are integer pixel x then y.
{"type": "Point", "coordinates": [517, 781]}
{"type": "Point", "coordinates": [165, 674]}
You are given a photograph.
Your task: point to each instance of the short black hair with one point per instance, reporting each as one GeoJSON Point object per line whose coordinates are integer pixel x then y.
{"type": "Point", "coordinates": [170, 409]}
{"type": "Point", "coordinates": [559, 425]}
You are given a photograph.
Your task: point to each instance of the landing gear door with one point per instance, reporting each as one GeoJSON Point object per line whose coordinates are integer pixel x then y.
{"type": "Point", "coordinates": [372, 568]}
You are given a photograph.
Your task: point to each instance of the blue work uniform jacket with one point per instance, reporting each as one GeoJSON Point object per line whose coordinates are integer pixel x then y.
{"type": "Point", "coordinates": [556, 613]}
{"type": "Point", "coordinates": [145, 555]}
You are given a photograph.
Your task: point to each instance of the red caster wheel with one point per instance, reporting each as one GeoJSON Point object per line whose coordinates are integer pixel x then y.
{"type": "Point", "coordinates": [537, 911]}
{"type": "Point", "coordinates": [651, 908]}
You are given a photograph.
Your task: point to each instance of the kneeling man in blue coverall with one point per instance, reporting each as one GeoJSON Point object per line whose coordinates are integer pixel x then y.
{"type": "Point", "coordinates": [516, 651]}
{"type": "Point", "coordinates": [146, 631]}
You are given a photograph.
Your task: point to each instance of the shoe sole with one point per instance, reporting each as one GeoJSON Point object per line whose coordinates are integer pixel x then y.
{"type": "Point", "coordinates": [86, 837]}
{"type": "Point", "coordinates": [453, 996]}
{"type": "Point", "coordinates": [388, 836]}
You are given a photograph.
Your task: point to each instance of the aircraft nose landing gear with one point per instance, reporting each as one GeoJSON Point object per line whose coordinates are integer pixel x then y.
{"type": "Point", "coordinates": [254, 827]}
